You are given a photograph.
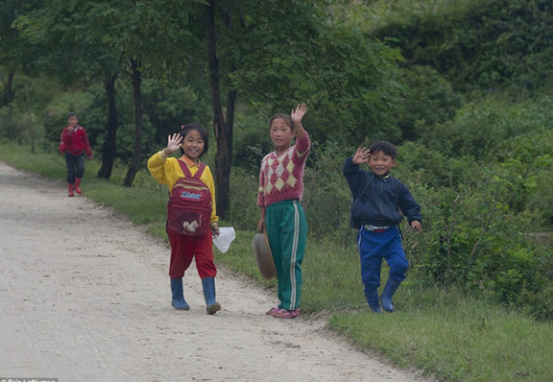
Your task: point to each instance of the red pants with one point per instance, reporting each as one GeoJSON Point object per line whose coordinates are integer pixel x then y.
{"type": "Point", "coordinates": [184, 248]}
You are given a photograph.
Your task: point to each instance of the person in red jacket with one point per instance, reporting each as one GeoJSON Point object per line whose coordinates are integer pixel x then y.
{"type": "Point", "coordinates": [74, 143]}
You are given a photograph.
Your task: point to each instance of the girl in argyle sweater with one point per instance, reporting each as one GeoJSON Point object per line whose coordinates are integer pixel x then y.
{"type": "Point", "coordinates": [281, 214]}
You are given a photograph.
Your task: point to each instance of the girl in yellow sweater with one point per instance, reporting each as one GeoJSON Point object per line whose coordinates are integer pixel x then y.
{"type": "Point", "coordinates": [193, 142]}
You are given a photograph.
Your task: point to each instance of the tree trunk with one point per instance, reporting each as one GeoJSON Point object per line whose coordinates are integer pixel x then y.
{"type": "Point", "coordinates": [9, 96]}
{"type": "Point", "coordinates": [223, 129]}
{"type": "Point", "coordinates": [225, 162]}
{"type": "Point", "coordinates": [109, 149]}
{"type": "Point", "coordinates": [30, 126]}
{"type": "Point", "coordinates": [137, 98]}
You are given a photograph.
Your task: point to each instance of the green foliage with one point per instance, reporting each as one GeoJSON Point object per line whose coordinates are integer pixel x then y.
{"type": "Point", "coordinates": [495, 129]}
{"type": "Point", "coordinates": [166, 108]}
{"type": "Point", "coordinates": [17, 55]}
{"type": "Point", "coordinates": [475, 237]}
{"type": "Point", "coordinates": [244, 213]}
{"type": "Point", "coordinates": [251, 140]}
{"type": "Point", "coordinates": [477, 44]}
{"type": "Point", "coordinates": [428, 101]}
{"type": "Point", "coordinates": [23, 120]}
{"type": "Point", "coordinates": [326, 194]}
{"type": "Point", "coordinates": [346, 78]}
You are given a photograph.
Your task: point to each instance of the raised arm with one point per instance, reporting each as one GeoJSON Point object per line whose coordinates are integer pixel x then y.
{"type": "Point", "coordinates": [156, 163]}
{"type": "Point", "coordinates": [296, 116]}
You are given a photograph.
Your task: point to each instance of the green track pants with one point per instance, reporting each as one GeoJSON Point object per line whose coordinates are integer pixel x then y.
{"type": "Point", "coordinates": [287, 230]}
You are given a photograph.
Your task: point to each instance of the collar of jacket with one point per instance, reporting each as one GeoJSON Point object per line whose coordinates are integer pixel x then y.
{"type": "Point", "coordinates": [189, 162]}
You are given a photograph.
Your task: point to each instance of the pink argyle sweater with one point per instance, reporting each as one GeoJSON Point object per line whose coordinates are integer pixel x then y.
{"type": "Point", "coordinates": [281, 177]}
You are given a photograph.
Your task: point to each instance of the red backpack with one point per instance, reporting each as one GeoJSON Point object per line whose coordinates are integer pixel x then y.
{"type": "Point", "coordinates": [190, 204]}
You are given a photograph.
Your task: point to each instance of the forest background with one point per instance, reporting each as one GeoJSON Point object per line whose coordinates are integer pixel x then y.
{"type": "Point", "coordinates": [463, 88]}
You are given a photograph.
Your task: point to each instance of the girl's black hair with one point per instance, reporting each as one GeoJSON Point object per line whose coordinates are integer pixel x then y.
{"type": "Point", "coordinates": [282, 116]}
{"type": "Point", "coordinates": [383, 146]}
{"type": "Point", "coordinates": [200, 129]}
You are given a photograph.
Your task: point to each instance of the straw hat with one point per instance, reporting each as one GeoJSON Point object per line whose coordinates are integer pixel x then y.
{"type": "Point", "coordinates": [262, 253]}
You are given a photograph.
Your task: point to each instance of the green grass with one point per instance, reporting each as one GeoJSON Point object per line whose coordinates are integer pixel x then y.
{"type": "Point", "coordinates": [456, 338]}
{"type": "Point", "coordinates": [442, 334]}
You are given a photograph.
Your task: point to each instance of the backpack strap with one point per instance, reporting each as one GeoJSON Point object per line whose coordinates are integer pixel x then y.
{"type": "Point", "coordinates": [186, 170]}
{"type": "Point", "coordinates": [200, 170]}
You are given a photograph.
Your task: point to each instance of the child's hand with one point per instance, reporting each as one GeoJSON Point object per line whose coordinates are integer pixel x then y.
{"type": "Point", "coordinates": [361, 156]}
{"type": "Point", "coordinates": [261, 225]}
{"type": "Point", "coordinates": [416, 225]}
{"type": "Point", "coordinates": [297, 115]}
{"type": "Point", "coordinates": [215, 229]}
{"type": "Point", "coordinates": [173, 143]}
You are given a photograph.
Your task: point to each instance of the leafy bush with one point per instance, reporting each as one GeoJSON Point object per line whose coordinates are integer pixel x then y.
{"type": "Point", "coordinates": [494, 130]}
{"type": "Point", "coordinates": [428, 100]}
{"type": "Point", "coordinates": [477, 44]}
{"type": "Point", "coordinates": [475, 239]}
{"type": "Point", "coordinates": [244, 213]}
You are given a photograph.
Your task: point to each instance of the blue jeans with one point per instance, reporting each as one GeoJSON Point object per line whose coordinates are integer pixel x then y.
{"type": "Point", "coordinates": [75, 167]}
{"type": "Point", "coordinates": [373, 247]}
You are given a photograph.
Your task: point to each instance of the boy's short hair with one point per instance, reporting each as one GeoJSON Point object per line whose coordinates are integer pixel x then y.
{"type": "Point", "coordinates": [200, 129]}
{"type": "Point", "coordinates": [71, 114]}
{"type": "Point", "coordinates": [384, 146]}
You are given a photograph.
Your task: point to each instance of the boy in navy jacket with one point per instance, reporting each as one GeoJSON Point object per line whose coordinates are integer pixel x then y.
{"type": "Point", "coordinates": [378, 200]}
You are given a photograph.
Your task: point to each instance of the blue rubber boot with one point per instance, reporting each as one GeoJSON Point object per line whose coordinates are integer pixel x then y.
{"type": "Point", "coordinates": [372, 298]}
{"type": "Point", "coordinates": [386, 296]}
{"type": "Point", "coordinates": [208, 284]}
{"type": "Point", "coordinates": [177, 298]}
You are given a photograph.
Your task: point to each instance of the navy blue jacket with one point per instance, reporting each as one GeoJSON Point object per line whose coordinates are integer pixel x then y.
{"type": "Point", "coordinates": [380, 202]}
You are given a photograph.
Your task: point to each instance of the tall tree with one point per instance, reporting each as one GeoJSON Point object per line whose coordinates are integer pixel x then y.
{"type": "Point", "coordinates": [147, 33]}
{"type": "Point", "coordinates": [100, 34]}
{"type": "Point", "coordinates": [73, 35]}
{"type": "Point", "coordinates": [16, 55]}
{"type": "Point", "coordinates": [223, 125]}
{"type": "Point", "coordinates": [278, 53]}
{"type": "Point", "coordinates": [231, 28]}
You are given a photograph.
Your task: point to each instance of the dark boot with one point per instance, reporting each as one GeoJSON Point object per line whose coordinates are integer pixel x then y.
{"type": "Point", "coordinates": [372, 298]}
{"type": "Point", "coordinates": [208, 284]}
{"type": "Point", "coordinates": [76, 185]}
{"type": "Point", "coordinates": [388, 292]}
{"type": "Point", "coordinates": [177, 298]}
{"type": "Point", "coordinates": [70, 189]}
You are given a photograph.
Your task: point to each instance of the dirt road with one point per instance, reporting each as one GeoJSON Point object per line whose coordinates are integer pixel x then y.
{"type": "Point", "coordinates": [84, 296]}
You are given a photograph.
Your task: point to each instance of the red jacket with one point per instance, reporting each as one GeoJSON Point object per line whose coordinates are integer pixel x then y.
{"type": "Point", "coordinates": [75, 142]}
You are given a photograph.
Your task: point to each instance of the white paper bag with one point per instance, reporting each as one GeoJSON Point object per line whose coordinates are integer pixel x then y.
{"type": "Point", "coordinates": [224, 239]}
